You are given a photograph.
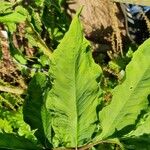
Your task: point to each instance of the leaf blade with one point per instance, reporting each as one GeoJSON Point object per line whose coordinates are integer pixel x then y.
{"type": "Point", "coordinates": [35, 113]}
{"type": "Point", "coordinates": [130, 97]}
{"type": "Point", "coordinates": [74, 95]}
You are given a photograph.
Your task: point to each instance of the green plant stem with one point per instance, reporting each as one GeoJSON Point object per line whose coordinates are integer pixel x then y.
{"type": "Point", "coordinates": [86, 147]}
{"type": "Point", "coordinates": [99, 142]}
{"type": "Point", "coordinates": [11, 89]}
{"type": "Point", "coordinates": [46, 50]}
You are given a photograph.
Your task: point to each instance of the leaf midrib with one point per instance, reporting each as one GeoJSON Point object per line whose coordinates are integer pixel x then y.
{"type": "Point", "coordinates": [75, 93]}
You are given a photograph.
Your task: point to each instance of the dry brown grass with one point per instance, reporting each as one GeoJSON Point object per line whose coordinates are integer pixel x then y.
{"type": "Point", "coordinates": [103, 22]}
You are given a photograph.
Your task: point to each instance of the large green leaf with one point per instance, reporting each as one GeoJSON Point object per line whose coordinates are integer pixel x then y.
{"type": "Point", "coordinates": [13, 142]}
{"type": "Point", "coordinates": [75, 92]}
{"type": "Point", "coordinates": [130, 97]}
{"type": "Point", "coordinates": [35, 113]}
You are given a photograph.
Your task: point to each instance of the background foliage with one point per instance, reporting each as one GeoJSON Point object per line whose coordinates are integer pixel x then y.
{"type": "Point", "coordinates": [52, 93]}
